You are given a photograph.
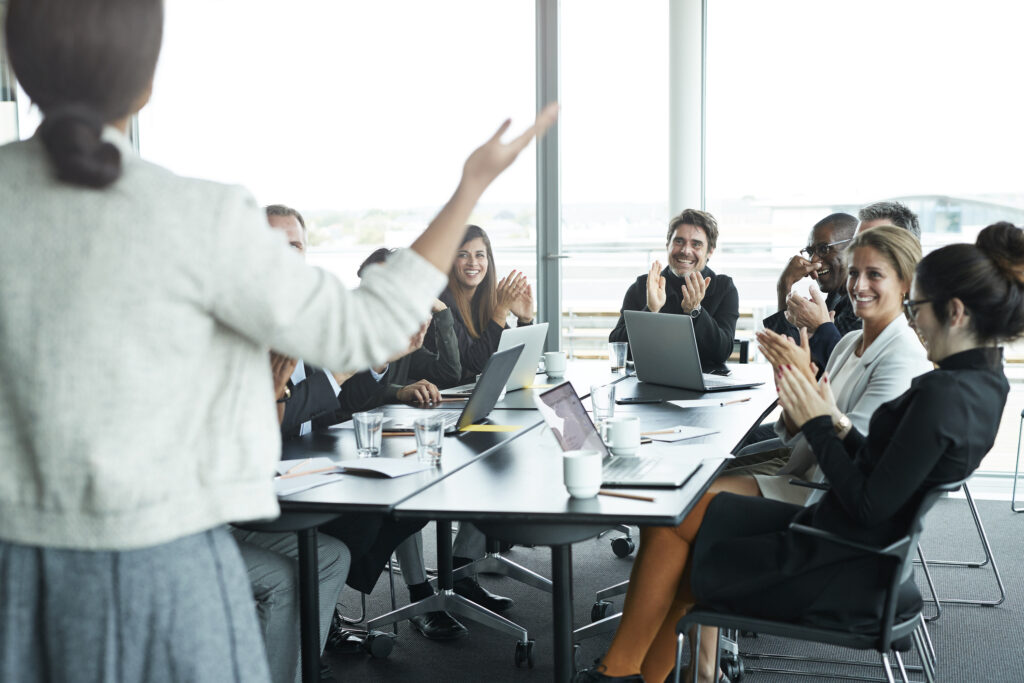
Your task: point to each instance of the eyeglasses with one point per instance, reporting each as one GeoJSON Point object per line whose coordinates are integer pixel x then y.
{"type": "Point", "coordinates": [910, 307]}
{"type": "Point", "coordinates": [821, 250]}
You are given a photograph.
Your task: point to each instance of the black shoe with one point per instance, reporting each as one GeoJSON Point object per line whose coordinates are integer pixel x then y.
{"type": "Point", "coordinates": [342, 641]}
{"type": "Point", "coordinates": [326, 674]}
{"type": "Point", "coordinates": [438, 626]}
{"type": "Point", "coordinates": [594, 675]}
{"type": "Point", "coordinates": [471, 589]}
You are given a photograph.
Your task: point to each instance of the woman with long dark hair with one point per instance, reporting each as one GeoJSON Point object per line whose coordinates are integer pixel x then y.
{"type": "Point", "coordinates": [480, 303]}
{"type": "Point", "coordinates": [137, 414]}
{"type": "Point", "coordinates": [965, 299]}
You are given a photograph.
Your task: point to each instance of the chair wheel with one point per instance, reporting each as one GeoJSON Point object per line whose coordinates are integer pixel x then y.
{"type": "Point", "coordinates": [600, 610]}
{"type": "Point", "coordinates": [524, 654]}
{"type": "Point", "coordinates": [378, 645]}
{"type": "Point", "coordinates": [623, 547]}
{"type": "Point", "coordinates": [733, 668]}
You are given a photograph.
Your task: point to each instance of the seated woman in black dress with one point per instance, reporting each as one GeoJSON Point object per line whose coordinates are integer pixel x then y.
{"type": "Point", "coordinates": [964, 300]}
{"type": "Point", "coordinates": [480, 303]}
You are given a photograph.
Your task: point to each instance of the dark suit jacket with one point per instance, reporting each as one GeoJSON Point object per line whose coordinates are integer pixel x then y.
{"type": "Point", "coordinates": [311, 398]}
{"type": "Point", "coordinates": [714, 328]}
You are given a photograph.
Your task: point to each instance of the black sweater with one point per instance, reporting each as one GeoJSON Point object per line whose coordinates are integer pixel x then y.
{"type": "Point", "coordinates": [715, 327]}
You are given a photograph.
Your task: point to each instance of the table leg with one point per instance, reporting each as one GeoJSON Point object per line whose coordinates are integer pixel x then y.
{"type": "Point", "coordinates": [561, 577]}
{"type": "Point", "coordinates": [445, 580]}
{"type": "Point", "coordinates": [309, 605]}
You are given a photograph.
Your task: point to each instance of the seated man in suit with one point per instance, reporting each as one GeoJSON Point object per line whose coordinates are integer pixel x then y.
{"type": "Point", "coordinates": [687, 286]}
{"type": "Point", "coordinates": [824, 261]}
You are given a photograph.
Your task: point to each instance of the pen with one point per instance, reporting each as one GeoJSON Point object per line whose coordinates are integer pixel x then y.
{"type": "Point", "coordinates": [332, 468]}
{"type": "Point", "coordinates": [409, 452]}
{"type": "Point", "coordinates": [661, 431]}
{"type": "Point", "coordinates": [399, 434]}
{"type": "Point", "coordinates": [292, 469]}
{"type": "Point", "coordinates": [738, 400]}
{"type": "Point", "coordinates": [450, 400]}
{"type": "Point", "coordinates": [631, 496]}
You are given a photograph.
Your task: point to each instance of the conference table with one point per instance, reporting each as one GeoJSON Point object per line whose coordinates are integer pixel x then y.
{"type": "Point", "coordinates": [509, 483]}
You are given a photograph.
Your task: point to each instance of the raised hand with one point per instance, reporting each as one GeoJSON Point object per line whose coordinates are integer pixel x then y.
{"type": "Point", "coordinates": [488, 161]}
{"type": "Point", "coordinates": [797, 268]}
{"type": "Point", "coordinates": [810, 313]}
{"type": "Point", "coordinates": [693, 289]}
{"type": "Point", "coordinates": [655, 288]}
{"type": "Point", "coordinates": [422, 392]}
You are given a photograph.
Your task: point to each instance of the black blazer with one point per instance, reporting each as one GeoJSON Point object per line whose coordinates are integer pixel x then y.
{"type": "Point", "coordinates": [311, 398]}
{"type": "Point", "coordinates": [714, 328]}
{"type": "Point", "coordinates": [938, 431]}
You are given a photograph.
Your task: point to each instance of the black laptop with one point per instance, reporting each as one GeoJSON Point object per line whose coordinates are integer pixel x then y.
{"type": "Point", "coordinates": [480, 404]}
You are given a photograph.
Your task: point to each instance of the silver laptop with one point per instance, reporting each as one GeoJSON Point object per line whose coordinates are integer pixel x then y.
{"type": "Point", "coordinates": [480, 403]}
{"type": "Point", "coordinates": [523, 374]}
{"type": "Point", "coordinates": [564, 413]}
{"type": "Point", "coordinates": [665, 352]}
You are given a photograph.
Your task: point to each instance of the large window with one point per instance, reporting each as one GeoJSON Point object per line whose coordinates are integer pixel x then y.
{"type": "Point", "coordinates": [358, 114]}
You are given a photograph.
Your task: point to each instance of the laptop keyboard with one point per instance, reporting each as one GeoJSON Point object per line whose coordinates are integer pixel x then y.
{"type": "Point", "coordinates": [715, 381]}
{"type": "Point", "coordinates": [450, 417]}
{"type": "Point", "coordinates": [628, 468]}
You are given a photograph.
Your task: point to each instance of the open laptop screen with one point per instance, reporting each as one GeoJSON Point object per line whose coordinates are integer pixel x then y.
{"type": "Point", "coordinates": [564, 413]}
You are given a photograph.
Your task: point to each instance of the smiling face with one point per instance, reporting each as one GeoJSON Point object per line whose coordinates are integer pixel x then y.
{"type": "Point", "coordinates": [688, 250]}
{"type": "Point", "coordinates": [471, 263]}
{"type": "Point", "coordinates": [874, 287]}
{"type": "Point", "coordinates": [832, 275]}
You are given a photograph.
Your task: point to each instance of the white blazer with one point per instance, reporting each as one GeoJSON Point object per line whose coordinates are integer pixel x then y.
{"type": "Point", "coordinates": [885, 371]}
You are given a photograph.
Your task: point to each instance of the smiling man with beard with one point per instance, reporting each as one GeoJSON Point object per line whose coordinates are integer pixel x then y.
{"type": "Point", "coordinates": [823, 260]}
{"type": "Point", "coordinates": [687, 286]}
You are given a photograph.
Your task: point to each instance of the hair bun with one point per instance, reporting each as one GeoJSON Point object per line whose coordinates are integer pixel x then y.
{"type": "Point", "coordinates": [72, 135]}
{"type": "Point", "coordinates": [1003, 244]}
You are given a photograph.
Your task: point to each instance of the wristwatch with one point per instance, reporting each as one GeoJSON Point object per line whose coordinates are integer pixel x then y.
{"type": "Point", "coordinates": [695, 312]}
{"type": "Point", "coordinates": [843, 426]}
{"type": "Point", "coordinates": [287, 395]}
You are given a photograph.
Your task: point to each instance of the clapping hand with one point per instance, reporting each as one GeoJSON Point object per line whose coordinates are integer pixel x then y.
{"type": "Point", "coordinates": [802, 399]}
{"type": "Point", "coordinates": [281, 369]}
{"type": "Point", "coordinates": [780, 350]}
{"type": "Point", "coordinates": [422, 392]}
{"type": "Point", "coordinates": [507, 294]}
{"type": "Point", "coordinates": [810, 313]}
{"type": "Point", "coordinates": [797, 269]}
{"type": "Point", "coordinates": [693, 290]}
{"type": "Point", "coordinates": [655, 288]}
{"type": "Point", "coordinates": [522, 306]}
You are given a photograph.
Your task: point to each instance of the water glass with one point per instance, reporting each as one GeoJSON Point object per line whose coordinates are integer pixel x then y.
{"type": "Point", "coordinates": [617, 355]}
{"type": "Point", "coordinates": [429, 438]}
{"type": "Point", "coordinates": [603, 400]}
{"type": "Point", "coordinates": [369, 427]}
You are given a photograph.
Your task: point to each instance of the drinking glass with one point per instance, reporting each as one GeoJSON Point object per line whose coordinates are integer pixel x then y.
{"type": "Point", "coordinates": [429, 438]}
{"type": "Point", "coordinates": [369, 427]}
{"type": "Point", "coordinates": [617, 355]}
{"type": "Point", "coordinates": [603, 400]}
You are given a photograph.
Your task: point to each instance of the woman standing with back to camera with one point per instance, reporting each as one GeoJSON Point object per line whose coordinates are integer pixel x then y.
{"type": "Point", "coordinates": [137, 417]}
{"type": "Point", "coordinates": [965, 299]}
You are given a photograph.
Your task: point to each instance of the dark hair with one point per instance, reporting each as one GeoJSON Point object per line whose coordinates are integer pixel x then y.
{"type": "Point", "coordinates": [377, 256]}
{"type": "Point", "coordinates": [898, 213]}
{"type": "Point", "coordinates": [702, 219]}
{"type": "Point", "coordinates": [477, 311]}
{"type": "Point", "coordinates": [84, 64]}
{"type": "Point", "coordinates": [843, 226]}
{"type": "Point", "coordinates": [987, 276]}
{"type": "Point", "coordinates": [282, 210]}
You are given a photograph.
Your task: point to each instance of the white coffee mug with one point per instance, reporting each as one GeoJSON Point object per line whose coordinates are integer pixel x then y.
{"type": "Point", "coordinates": [581, 471]}
{"type": "Point", "coordinates": [622, 434]}
{"type": "Point", "coordinates": [554, 363]}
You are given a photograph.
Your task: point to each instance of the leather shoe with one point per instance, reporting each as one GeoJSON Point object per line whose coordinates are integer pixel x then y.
{"type": "Point", "coordinates": [594, 675]}
{"type": "Point", "coordinates": [438, 626]}
{"type": "Point", "coordinates": [471, 589]}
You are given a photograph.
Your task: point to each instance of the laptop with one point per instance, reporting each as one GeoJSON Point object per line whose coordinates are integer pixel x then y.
{"type": "Point", "coordinates": [564, 413]}
{"type": "Point", "coordinates": [523, 374]}
{"type": "Point", "coordinates": [665, 352]}
{"type": "Point", "coordinates": [480, 403]}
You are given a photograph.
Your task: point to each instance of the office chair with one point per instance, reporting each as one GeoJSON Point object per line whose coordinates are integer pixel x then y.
{"type": "Point", "coordinates": [1016, 468]}
{"type": "Point", "coordinates": [900, 629]}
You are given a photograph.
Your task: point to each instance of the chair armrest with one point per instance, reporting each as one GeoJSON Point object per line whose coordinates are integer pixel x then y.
{"type": "Point", "coordinates": [822, 486]}
{"type": "Point", "coordinates": [894, 549]}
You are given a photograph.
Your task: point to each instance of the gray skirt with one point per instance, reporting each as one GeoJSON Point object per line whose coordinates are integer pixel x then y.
{"type": "Point", "coordinates": [181, 611]}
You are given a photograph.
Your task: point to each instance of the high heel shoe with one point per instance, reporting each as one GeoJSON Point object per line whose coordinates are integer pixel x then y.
{"type": "Point", "coordinates": [595, 675]}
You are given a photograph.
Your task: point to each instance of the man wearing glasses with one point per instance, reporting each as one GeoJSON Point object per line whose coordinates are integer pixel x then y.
{"type": "Point", "coordinates": [823, 261]}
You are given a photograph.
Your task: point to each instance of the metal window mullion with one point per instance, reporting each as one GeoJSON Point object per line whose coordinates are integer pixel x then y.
{"type": "Point", "coordinates": [549, 227]}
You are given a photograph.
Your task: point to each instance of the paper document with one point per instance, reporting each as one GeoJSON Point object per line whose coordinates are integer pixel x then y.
{"type": "Point", "coordinates": [693, 454]}
{"type": "Point", "coordinates": [490, 428]}
{"type": "Point", "coordinates": [678, 433]}
{"type": "Point", "coordinates": [348, 424]}
{"type": "Point", "coordinates": [301, 475]}
{"type": "Point", "coordinates": [708, 402]}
